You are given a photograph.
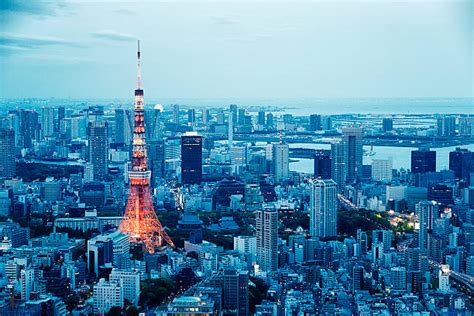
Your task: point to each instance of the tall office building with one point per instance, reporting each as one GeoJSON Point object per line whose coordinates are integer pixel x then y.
{"type": "Point", "coordinates": [230, 129]}
{"type": "Point", "coordinates": [233, 110]}
{"type": "Point", "coordinates": [129, 282]}
{"type": "Point", "coordinates": [241, 117]}
{"type": "Point", "coordinates": [156, 158]}
{"type": "Point", "coordinates": [98, 148]}
{"type": "Point", "coordinates": [387, 125]}
{"type": "Point", "coordinates": [315, 122]}
{"type": "Point", "coordinates": [281, 164]}
{"type": "Point", "coordinates": [176, 113]}
{"type": "Point", "coordinates": [191, 158]}
{"type": "Point", "coordinates": [322, 164]}
{"type": "Point", "coordinates": [235, 292]}
{"type": "Point", "coordinates": [7, 153]}
{"type": "Point", "coordinates": [205, 116]}
{"type": "Point", "coordinates": [323, 208]}
{"type": "Point", "coordinates": [461, 161]}
{"type": "Point", "coordinates": [352, 140]}
{"type": "Point", "coordinates": [48, 120]}
{"type": "Point", "coordinates": [423, 160]}
{"type": "Point", "coordinates": [261, 118]}
{"type": "Point", "coordinates": [382, 169]}
{"type": "Point", "coordinates": [427, 213]}
{"type": "Point", "coordinates": [123, 126]}
{"type": "Point", "coordinates": [338, 164]}
{"type": "Point", "coordinates": [270, 120]}
{"type": "Point", "coordinates": [267, 239]}
{"type": "Point", "coordinates": [191, 116]}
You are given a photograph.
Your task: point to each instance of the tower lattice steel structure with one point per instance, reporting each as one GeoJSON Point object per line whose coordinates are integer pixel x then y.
{"type": "Point", "coordinates": [140, 221]}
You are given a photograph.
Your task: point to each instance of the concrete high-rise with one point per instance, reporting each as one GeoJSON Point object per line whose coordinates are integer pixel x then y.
{"type": "Point", "coordinates": [97, 133]}
{"type": "Point", "coordinates": [382, 169]}
{"type": "Point", "coordinates": [191, 158]}
{"type": "Point", "coordinates": [281, 166]}
{"type": "Point", "coordinates": [352, 140]}
{"type": "Point", "coordinates": [323, 208]}
{"type": "Point", "coordinates": [426, 212]}
{"type": "Point", "coordinates": [267, 239]}
{"type": "Point", "coordinates": [7, 153]}
{"type": "Point", "coordinates": [48, 119]}
{"type": "Point", "coordinates": [338, 164]}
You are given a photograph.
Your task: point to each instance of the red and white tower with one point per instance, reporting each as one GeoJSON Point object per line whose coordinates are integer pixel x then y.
{"type": "Point", "coordinates": [140, 221]}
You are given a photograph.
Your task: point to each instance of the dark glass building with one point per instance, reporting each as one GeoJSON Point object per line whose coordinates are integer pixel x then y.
{"type": "Point", "coordinates": [322, 164]}
{"type": "Point", "coordinates": [7, 153]}
{"type": "Point", "coordinates": [423, 160]}
{"type": "Point", "coordinates": [461, 161]}
{"type": "Point", "coordinates": [191, 159]}
{"type": "Point", "coordinates": [315, 122]}
{"type": "Point", "coordinates": [387, 124]}
{"type": "Point", "coordinates": [441, 193]}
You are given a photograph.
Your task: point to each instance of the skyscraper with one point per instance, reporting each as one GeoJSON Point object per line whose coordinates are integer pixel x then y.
{"type": "Point", "coordinates": [387, 124]}
{"type": "Point", "coordinates": [7, 153]}
{"type": "Point", "coordinates": [352, 140]}
{"type": "Point", "coordinates": [261, 118]}
{"type": "Point", "coordinates": [323, 208]}
{"type": "Point", "coordinates": [123, 126]}
{"type": "Point", "coordinates": [98, 148]}
{"type": "Point", "coordinates": [423, 160]}
{"type": "Point", "coordinates": [461, 161]}
{"type": "Point", "coordinates": [322, 164]}
{"type": "Point", "coordinates": [267, 239]}
{"type": "Point", "coordinates": [235, 293]}
{"type": "Point", "coordinates": [48, 119]}
{"type": "Point", "coordinates": [191, 116]}
{"type": "Point", "coordinates": [191, 158]}
{"type": "Point", "coordinates": [281, 166]}
{"type": "Point", "coordinates": [338, 164]}
{"type": "Point", "coordinates": [426, 212]}
{"type": "Point", "coordinates": [176, 113]}
{"type": "Point", "coordinates": [315, 122]}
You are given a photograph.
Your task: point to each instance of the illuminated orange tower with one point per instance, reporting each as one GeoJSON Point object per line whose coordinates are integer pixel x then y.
{"type": "Point", "coordinates": [140, 221]}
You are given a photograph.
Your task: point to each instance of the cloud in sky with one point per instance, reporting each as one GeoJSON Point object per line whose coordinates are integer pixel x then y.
{"type": "Point", "coordinates": [11, 41]}
{"type": "Point", "coordinates": [113, 36]}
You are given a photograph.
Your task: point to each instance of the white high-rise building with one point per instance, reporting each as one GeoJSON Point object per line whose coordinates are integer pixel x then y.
{"type": "Point", "coordinates": [246, 245]}
{"type": "Point", "coordinates": [443, 276]}
{"type": "Point", "coordinates": [323, 212]}
{"type": "Point", "coordinates": [107, 295]}
{"type": "Point", "coordinates": [129, 281]}
{"type": "Point", "coordinates": [281, 163]}
{"type": "Point", "coordinates": [238, 155]}
{"type": "Point", "coordinates": [230, 130]}
{"type": "Point", "coordinates": [267, 239]}
{"type": "Point", "coordinates": [338, 164]}
{"type": "Point", "coordinates": [382, 169]}
{"type": "Point", "coordinates": [28, 282]}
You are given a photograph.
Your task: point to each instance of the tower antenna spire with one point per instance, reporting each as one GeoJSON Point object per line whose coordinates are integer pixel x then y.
{"type": "Point", "coordinates": [138, 67]}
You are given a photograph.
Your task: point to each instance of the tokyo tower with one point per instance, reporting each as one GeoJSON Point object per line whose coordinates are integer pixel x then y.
{"type": "Point", "coordinates": [140, 221]}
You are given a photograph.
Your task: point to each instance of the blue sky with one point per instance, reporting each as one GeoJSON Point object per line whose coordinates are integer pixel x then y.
{"type": "Point", "coordinates": [241, 49]}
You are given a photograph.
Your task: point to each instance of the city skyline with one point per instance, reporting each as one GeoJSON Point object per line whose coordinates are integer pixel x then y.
{"type": "Point", "coordinates": [342, 49]}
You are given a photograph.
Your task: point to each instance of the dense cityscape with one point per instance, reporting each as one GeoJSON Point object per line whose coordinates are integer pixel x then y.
{"type": "Point", "coordinates": [236, 158]}
{"type": "Point", "coordinates": [169, 210]}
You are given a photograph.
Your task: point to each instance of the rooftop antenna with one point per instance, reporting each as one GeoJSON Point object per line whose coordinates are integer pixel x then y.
{"type": "Point", "coordinates": [138, 66]}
